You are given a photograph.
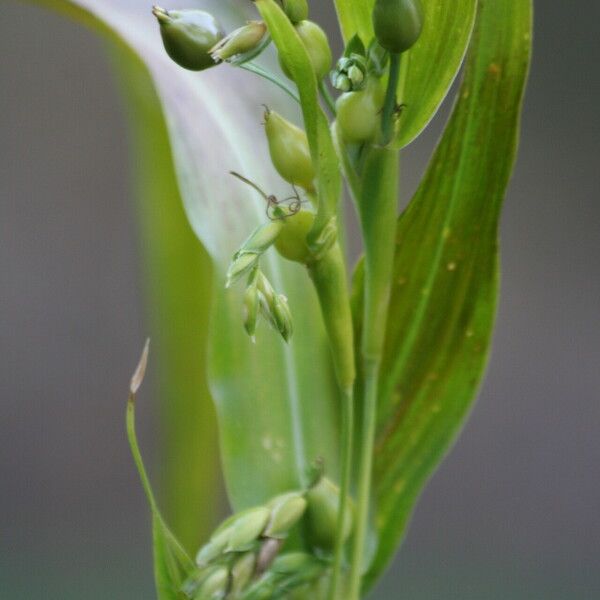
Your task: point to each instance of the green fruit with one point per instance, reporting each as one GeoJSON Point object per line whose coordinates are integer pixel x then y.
{"type": "Point", "coordinates": [188, 35]}
{"type": "Point", "coordinates": [317, 45]}
{"type": "Point", "coordinates": [289, 151]}
{"type": "Point", "coordinates": [397, 23]}
{"type": "Point", "coordinates": [359, 113]}
{"type": "Point", "coordinates": [296, 10]}
{"type": "Point", "coordinates": [322, 513]}
{"type": "Point", "coordinates": [291, 244]}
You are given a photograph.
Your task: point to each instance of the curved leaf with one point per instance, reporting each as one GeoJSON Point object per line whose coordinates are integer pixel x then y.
{"type": "Point", "coordinates": [178, 310]}
{"type": "Point", "coordinates": [434, 62]}
{"type": "Point", "coordinates": [446, 276]}
{"type": "Point", "coordinates": [276, 404]}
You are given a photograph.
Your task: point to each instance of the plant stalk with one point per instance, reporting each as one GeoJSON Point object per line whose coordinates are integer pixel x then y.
{"type": "Point", "coordinates": [327, 97]}
{"type": "Point", "coordinates": [377, 208]}
{"type": "Point", "coordinates": [389, 107]}
{"type": "Point", "coordinates": [365, 475]}
{"type": "Point", "coordinates": [346, 475]}
{"type": "Point", "coordinates": [254, 68]}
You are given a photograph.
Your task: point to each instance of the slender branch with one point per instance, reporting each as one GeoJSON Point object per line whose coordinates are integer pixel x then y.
{"type": "Point", "coordinates": [257, 70]}
{"type": "Point", "coordinates": [389, 107]}
{"type": "Point", "coordinates": [327, 97]}
{"type": "Point", "coordinates": [346, 475]}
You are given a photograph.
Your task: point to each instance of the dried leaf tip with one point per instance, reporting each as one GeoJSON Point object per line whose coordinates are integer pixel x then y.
{"type": "Point", "coordinates": [140, 370]}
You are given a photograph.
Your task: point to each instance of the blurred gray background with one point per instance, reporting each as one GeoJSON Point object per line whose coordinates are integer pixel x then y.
{"type": "Point", "coordinates": [513, 512]}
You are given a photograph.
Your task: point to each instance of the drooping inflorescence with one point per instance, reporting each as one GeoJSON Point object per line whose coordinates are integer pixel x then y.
{"type": "Point", "coordinates": [245, 558]}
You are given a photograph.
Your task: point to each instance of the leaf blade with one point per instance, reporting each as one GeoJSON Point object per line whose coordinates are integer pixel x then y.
{"type": "Point", "coordinates": [199, 109]}
{"type": "Point", "coordinates": [437, 345]}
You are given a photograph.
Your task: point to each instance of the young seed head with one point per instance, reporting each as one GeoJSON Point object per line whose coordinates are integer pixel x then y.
{"type": "Point", "coordinates": [359, 113]}
{"type": "Point", "coordinates": [214, 586]}
{"type": "Point", "coordinates": [242, 573]}
{"type": "Point", "coordinates": [282, 317]}
{"type": "Point", "coordinates": [317, 45]}
{"type": "Point", "coordinates": [322, 512]}
{"type": "Point", "coordinates": [296, 10]}
{"type": "Point", "coordinates": [242, 263]}
{"type": "Point", "coordinates": [242, 40]}
{"type": "Point", "coordinates": [251, 306]}
{"type": "Point", "coordinates": [188, 36]}
{"type": "Point", "coordinates": [286, 511]}
{"type": "Point", "coordinates": [245, 530]}
{"type": "Point", "coordinates": [397, 23]}
{"type": "Point", "coordinates": [289, 150]}
{"type": "Point", "coordinates": [350, 73]}
{"type": "Point", "coordinates": [291, 244]}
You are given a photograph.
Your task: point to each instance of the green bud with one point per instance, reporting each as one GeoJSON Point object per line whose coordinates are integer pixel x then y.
{"type": "Point", "coordinates": [241, 264]}
{"type": "Point", "coordinates": [290, 154]}
{"type": "Point", "coordinates": [214, 586]}
{"type": "Point", "coordinates": [397, 23]}
{"type": "Point", "coordinates": [188, 36]}
{"type": "Point", "coordinates": [247, 528]}
{"type": "Point", "coordinates": [350, 73]}
{"type": "Point", "coordinates": [317, 45]}
{"type": "Point", "coordinates": [292, 562]}
{"type": "Point", "coordinates": [359, 113]}
{"type": "Point", "coordinates": [246, 258]}
{"type": "Point", "coordinates": [242, 40]}
{"type": "Point", "coordinates": [322, 512]}
{"type": "Point", "coordinates": [214, 548]}
{"type": "Point", "coordinates": [242, 573]}
{"type": "Point", "coordinates": [291, 244]}
{"type": "Point", "coordinates": [282, 316]}
{"type": "Point", "coordinates": [251, 306]}
{"type": "Point", "coordinates": [286, 511]}
{"type": "Point", "coordinates": [341, 82]}
{"type": "Point", "coordinates": [263, 237]}
{"type": "Point", "coordinates": [296, 10]}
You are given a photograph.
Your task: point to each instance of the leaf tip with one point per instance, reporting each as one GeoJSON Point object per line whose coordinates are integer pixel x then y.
{"type": "Point", "coordinates": [140, 370]}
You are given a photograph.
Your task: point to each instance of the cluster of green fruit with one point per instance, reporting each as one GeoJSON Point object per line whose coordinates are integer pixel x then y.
{"type": "Point", "coordinates": [242, 559]}
{"type": "Point", "coordinates": [195, 40]}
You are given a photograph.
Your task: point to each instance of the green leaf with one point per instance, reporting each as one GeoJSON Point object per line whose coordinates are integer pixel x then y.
{"type": "Point", "coordinates": [295, 56]}
{"type": "Point", "coordinates": [178, 307]}
{"type": "Point", "coordinates": [355, 17]}
{"type": "Point", "coordinates": [446, 272]}
{"type": "Point", "coordinates": [276, 404]}
{"type": "Point", "coordinates": [431, 65]}
{"type": "Point", "coordinates": [172, 565]}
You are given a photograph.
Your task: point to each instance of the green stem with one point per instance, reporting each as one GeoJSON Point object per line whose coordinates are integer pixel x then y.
{"type": "Point", "coordinates": [346, 475]}
{"type": "Point", "coordinates": [327, 97]}
{"type": "Point", "coordinates": [377, 206]}
{"type": "Point", "coordinates": [365, 475]}
{"type": "Point", "coordinates": [254, 68]}
{"type": "Point", "coordinates": [389, 107]}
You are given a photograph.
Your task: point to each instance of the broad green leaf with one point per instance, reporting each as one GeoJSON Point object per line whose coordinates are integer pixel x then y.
{"type": "Point", "coordinates": [276, 404]}
{"type": "Point", "coordinates": [431, 65]}
{"type": "Point", "coordinates": [295, 56]}
{"type": "Point", "coordinates": [446, 272]}
{"type": "Point", "coordinates": [178, 309]}
{"type": "Point", "coordinates": [355, 17]}
{"type": "Point", "coordinates": [172, 565]}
